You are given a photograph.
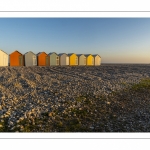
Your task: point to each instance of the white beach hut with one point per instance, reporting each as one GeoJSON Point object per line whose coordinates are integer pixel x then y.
{"type": "Point", "coordinates": [63, 59]}
{"type": "Point", "coordinates": [3, 58]}
{"type": "Point", "coordinates": [97, 59]}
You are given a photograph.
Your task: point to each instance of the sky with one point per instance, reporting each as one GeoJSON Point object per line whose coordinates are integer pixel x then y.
{"type": "Point", "coordinates": [116, 40]}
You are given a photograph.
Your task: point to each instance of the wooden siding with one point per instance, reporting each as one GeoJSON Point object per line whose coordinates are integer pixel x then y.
{"type": "Point", "coordinates": [16, 59]}
{"type": "Point", "coordinates": [41, 59]}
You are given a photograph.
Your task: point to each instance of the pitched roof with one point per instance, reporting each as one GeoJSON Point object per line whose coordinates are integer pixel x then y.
{"type": "Point", "coordinates": [87, 55]}
{"type": "Point", "coordinates": [96, 55]}
{"type": "Point", "coordinates": [30, 52]}
{"type": "Point", "coordinates": [3, 51]}
{"type": "Point", "coordinates": [60, 54]}
{"type": "Point", "coordinates": [16, 51]}
{"type": "Point", "coordinates": [80, 54]}
{"type": "Point", "coordinates": [52, 53]}
{"type": "Point", "coordinates": [69, 54]}
{"type": "Point", "coordinates": [40, 53]}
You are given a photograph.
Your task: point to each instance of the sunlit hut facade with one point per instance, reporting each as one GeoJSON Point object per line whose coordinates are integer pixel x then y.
{"type": "Point", "coordinates": [42, 59]}
{"type": "Point", "coordinates": [3, 58]}
{"type": "Point", "coordinates": [54, 59]}
{"type": "Point", "coordinates": [16, 59]}
{"type": "Point", "coordinates": [30, 59]}
{"type": "Point", "coordinates": [63, 59]}
{"type": "Point", "coordinates": [97, 60]}
{"type": "Point", "coordinates": [73, 59]}
{"type": "Point", "coordinates": [81, 59]}
{"type": "Point", "coordinates": [89, 60]}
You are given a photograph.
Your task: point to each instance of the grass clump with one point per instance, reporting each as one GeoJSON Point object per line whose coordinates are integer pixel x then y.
{"type": "Point", "coordinates": [144, 84]}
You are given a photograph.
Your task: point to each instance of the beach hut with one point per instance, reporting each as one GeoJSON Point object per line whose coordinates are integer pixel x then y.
{"type": "Point", "coordinates": [54, 59]}
{"type": "Point", "coordinates": [16, 59]}
{"type": "Point", "coordinates": [97, 60]}
{"type": "Point", "coordinates": [73, 59]}
{"type": "Point", "coordinates": [89, 60]}
{"type": "Point", "coordinates": [30, 59]}
{"type": "Point", "coordinates": [81, 60]}
{"type": "Point", "coordinates": [63, 59]}
{"type": "Point", "coordinates": [3, 58]}
{"type": "Point", "coordinates": [42, 59]}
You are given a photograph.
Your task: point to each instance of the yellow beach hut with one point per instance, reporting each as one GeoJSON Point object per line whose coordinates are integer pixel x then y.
{"type": "Point", "coordinates": [89, 60]}
{"type": "Point", "coordinates": [73, 59]}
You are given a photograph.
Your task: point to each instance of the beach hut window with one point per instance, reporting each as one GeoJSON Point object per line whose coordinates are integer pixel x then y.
{"type": "Point", "coordinates": [57, 60]}
{"type": "Point", "coordinates": [76, 60]}
{"type": "Point", "coordinates": [34, 60]}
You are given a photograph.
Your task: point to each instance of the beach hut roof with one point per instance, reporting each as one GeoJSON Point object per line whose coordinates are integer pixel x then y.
{"type": "Point", "coordinates": [96, 55]}
{"type": "Point", "coordinates": [40, 53]}
{"type": "Point", "coordinates": [16, 51]}
{"type": "Point", "coordinates": [52, 53]}
{"type": "Point", "coordinates": [79, 54]}
{"type": "Point", "coordinates": [87, 55]}
{"type": "Point", "coordinates": [60, 54]}
{"type": "Point", "coordinates": [69, 54]}
{"type": "Point", "coordinates": [28, 52]}
{"type": "Point", "coordinates": [3, 51]}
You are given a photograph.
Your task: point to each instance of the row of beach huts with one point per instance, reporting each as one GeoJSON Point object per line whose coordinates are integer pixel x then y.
{"type": "Point", "coordinates": [51, 59]}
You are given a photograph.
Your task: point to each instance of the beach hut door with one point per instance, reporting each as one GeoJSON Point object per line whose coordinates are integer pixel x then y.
{"type": "Point", "coordinates": [34, 60]}
{"type": "Point", "coordinates": [20, 60]}
{"type": "Point", "coordinates": [67, 60]}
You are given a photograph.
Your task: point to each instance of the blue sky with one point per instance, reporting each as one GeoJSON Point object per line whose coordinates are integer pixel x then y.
{"type": "Point", "coordinates": [116, 40]}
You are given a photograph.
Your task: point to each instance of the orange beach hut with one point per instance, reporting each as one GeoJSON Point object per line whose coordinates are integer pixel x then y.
{"type": "Point", "coordinates": [42, 59]}
{"type": "Point", "coordinates": [16, 59]}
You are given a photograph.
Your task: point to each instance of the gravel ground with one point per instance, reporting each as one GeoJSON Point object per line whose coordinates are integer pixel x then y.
{"type": "Point", "coordinates": [74, 99]}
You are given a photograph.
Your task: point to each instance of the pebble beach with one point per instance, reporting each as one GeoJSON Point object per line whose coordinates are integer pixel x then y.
{"type": "Point", "coordinates": [74, 99]}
